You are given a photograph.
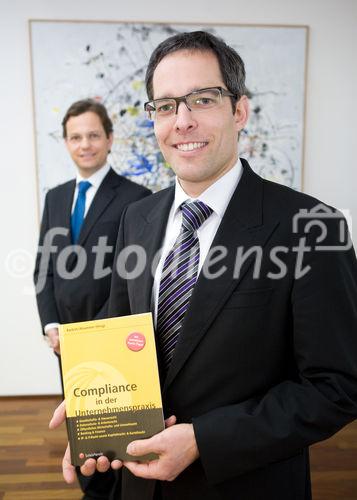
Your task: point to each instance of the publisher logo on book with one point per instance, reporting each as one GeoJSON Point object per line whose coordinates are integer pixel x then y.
{"type": "Point", "coordinates": [135, 341]}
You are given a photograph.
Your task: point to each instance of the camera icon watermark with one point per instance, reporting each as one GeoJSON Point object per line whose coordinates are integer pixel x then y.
{"type": "Point", "coordinates": [323, 217]}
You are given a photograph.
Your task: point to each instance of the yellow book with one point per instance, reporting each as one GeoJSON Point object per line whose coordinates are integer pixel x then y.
{"type": "Point", "coordinates": [111, 385]}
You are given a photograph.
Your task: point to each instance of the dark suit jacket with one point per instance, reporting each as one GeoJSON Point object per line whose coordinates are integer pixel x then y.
{"type": "Point", "coordinates": [263, 367]}
{"type": "Point", "coordinates": [81, 298]}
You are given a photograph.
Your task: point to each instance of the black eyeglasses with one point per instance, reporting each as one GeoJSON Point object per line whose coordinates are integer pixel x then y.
{"type": "Point", "coordinates": [199, 100]}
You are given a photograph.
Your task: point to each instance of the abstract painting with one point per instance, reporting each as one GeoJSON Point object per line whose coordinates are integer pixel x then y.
{"type": "Point", "coordinates": [107, 61]}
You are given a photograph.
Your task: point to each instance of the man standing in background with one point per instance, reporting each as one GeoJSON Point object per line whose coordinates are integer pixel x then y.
{"type": "Point", "coordinates": [73, 282]}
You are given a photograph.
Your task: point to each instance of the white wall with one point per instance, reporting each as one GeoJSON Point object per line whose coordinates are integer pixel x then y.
{"type": "Point", "coordinates": [26, 364]}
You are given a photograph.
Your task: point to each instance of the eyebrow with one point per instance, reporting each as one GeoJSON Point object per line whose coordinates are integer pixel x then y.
{"type": "Point", "coordinates": [89, 132]}
{"type": "Point", "coordinates": [195, 89]}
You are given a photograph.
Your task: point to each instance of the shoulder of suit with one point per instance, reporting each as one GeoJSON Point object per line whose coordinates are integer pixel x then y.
{"type": "Point", "coordinates": [120, 181]}
{"type": "Point", "coordinates": [285, 196]}
{"type": "Point", "coordinates": [128, 184]}
{"type": "Point", "coordinates": [61, 188]}
{"type": "Point", "coordinates": [149, 202]}
{"type": "Point", "coordinates": [289, 194]}
{"type": "Point", "coordinates": [278, 196]}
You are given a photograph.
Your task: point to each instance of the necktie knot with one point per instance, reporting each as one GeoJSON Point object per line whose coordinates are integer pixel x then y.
{"type": "Point", "coordinates": [83, 187]}
{"type": "Point", "coordinates": [194, 214]}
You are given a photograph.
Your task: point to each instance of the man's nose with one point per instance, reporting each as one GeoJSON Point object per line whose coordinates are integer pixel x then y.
{"type": "Point", "coordinates": [184, 118]}
{"type": "Point", "coordinates": [85, 142]}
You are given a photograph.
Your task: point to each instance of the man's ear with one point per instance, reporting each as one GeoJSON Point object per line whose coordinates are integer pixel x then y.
{"type": "Point", "coordinates": [241, 113]}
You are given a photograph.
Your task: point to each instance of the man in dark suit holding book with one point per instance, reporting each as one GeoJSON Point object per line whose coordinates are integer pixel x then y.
{"type": "Point", "coordinates": [255, 312]}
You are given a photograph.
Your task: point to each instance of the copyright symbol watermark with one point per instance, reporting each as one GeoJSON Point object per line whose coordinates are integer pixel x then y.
{"type": "Point", "coordinates": [19, 263]}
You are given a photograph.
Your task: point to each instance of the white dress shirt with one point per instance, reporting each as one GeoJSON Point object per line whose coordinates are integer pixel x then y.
{"type": "Point", "coordinates": [96, 179]}
{"type": "Point", "coordinates": [217, 197]}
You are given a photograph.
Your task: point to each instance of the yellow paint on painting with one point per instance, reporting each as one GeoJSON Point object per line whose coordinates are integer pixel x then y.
{"type": "Point", "coordinates": [132, 111]}
{"type": "Point", "coordinates": [137, 84]}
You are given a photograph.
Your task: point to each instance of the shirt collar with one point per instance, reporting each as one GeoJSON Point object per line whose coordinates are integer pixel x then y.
{"type": "Point", "coordinates": [218, 195]}
{"type": "Point", "coordinates": [97, 178]}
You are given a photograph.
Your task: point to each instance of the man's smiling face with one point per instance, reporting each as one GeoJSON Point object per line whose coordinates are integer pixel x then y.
{"type": "Point", "coordinates": [87, 142]}
{"type": "Point", "coordinates": [200, 146]}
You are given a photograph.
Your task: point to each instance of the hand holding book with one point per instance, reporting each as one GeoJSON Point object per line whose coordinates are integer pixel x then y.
{"type": "Point", "coordinates": [175, 452]}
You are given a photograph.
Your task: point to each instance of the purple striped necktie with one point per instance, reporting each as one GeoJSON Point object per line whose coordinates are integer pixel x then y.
{"type": "Point", "coordinates": [179, 275]}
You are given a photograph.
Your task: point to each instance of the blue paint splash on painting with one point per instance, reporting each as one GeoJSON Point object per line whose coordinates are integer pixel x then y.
{"type": "Point", "coordinates": [139, 165]}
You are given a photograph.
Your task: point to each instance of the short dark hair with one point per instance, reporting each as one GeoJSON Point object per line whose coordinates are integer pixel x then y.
{"type": "Point", "coordinates": [230, 62]}
{"type": "Point", "coordinates": [83, 106]}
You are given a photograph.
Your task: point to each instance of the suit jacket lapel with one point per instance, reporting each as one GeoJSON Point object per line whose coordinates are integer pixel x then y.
{"type": "Point", "coordinates": [242, 226]}
{"type": "Point", "coordinates": [64, 215]}
{"type": "Point", "coordinates": [103, 197]}
{"type": "Point", "coordinates": [153, 232]}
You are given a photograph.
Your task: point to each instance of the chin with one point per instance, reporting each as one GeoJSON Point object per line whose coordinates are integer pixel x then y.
{"type": "Point", "coordinates": [88, 167]}
{"type": "Point", "coordinates": [191, 173]}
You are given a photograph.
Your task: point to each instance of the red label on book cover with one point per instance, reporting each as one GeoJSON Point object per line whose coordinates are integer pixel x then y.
{"type": "Point", "coordinates": [135, 341]}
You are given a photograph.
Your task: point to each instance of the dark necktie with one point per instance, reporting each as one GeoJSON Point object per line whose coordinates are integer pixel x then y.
{"type": "Point", "coordinates": [179, 275]}
{"type": "Point", "coordinates": [77, 217]}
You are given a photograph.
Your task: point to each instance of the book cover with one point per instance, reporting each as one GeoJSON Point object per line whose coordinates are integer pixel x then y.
{"type": "Point", "coordinates": [111, 385]}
